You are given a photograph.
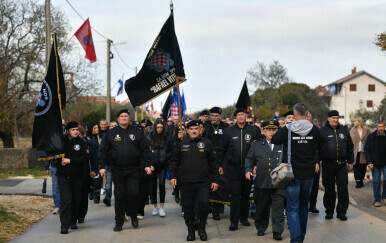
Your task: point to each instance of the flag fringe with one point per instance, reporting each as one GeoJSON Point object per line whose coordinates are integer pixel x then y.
{"type": "Point", "coordinates": [51, 157]}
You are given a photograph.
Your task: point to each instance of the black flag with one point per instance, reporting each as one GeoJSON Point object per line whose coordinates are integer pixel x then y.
{"type": "Point", "coordinates": [47, 130]}
{"type": "Point", "coordinates": [244, 100]}
{"type": "Point", "coordinates": [166, 110]}
{"type": "Point", "coordinates": [160, 68]}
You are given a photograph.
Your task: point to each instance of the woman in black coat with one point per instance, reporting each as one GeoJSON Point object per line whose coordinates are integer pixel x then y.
{"type": "Point", "coordinates": [161, 152]}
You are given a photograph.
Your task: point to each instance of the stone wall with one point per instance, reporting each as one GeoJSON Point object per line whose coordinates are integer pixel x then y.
{"type": "Point", "coordinates": [17, 158]}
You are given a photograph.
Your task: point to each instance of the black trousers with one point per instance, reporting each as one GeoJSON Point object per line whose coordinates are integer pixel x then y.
{"type": "Point", "coordinates": [195, 194]}
{"type": "Point", "coordinates": [83, 206]}
{"type": "Point", "coordinates": [315, 190]}
{"type": "Point", "coordinates": [331, 174]}
{"type": "Point", "coordinates": [144, 182]}
{"type": "Point", "coordinates": [70, 189]}
{"type": "Point", "coordinates": [158, 175]}
{"type": "Point", "coordinates": [269, 200]}
{"type": "Point", "coordinates": [127, 193]}
{"type": "Point", "coordinates": [359, 169]}
{"type": "Point", "coordinates": [240, 190]}
{"type": "Point", "coordinates": [217, 208]}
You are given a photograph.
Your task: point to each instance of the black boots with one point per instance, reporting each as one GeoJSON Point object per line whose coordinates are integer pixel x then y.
{"type": "Point", "coordinates": [118, 226]}
{"type": "Point", "coordinates": [202, 232]}
{"type": "Point", "coordinates": [191, 234]}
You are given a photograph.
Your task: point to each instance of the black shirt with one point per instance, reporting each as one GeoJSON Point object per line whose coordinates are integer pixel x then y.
{"type": "Point", "coordinates": [76, 150]}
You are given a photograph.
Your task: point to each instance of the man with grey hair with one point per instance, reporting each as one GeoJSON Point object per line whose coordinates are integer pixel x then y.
{"type": "Point", "coordinates": [305, 146]}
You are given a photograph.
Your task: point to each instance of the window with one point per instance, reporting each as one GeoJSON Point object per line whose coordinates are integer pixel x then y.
{"type": "Point", "coordinates": [369, 103]}
{"type": "Point", "coordinates": [353, 87]}
{"type": "Point", "coordinates": [371, 87]}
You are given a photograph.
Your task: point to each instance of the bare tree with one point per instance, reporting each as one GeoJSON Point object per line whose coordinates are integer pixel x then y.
{"type": "Point", "coordinates": [22, 61]}
{"type": "Point", "coordinates": [265, 77]}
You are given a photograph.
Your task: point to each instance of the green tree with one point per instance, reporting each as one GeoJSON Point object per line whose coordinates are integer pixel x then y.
{"type": "Point", "coordinates": [371, 117]}
{"type": "Point", "coordinates": [380, 41]}
{"type": "Point", "coordinates": [273, 76]}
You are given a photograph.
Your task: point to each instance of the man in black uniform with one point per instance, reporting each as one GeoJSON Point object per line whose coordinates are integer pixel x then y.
{"type": "Point", "coordinates": [204, 116]}
{"type": "Point", "coordinates": [261, 159]}
{"type": "Point", "coordinates": [194, 159]}
{"type": "Point", "coordinates": [70, 172]}
{"type": "Point", "coordinates": [337, 157]}
{"type": "Point", "coordinates": [235, 144]}
{"type": "Point", "coordinates": [214, 129]}
{"type": "Point", "coordinates": [125, 147]}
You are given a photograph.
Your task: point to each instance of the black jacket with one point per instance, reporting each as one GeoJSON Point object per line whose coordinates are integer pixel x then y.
{"type": "Point", "coordinates": [160, 156]}
{"type": "Point", "coordinates": [375, 149]}
{"type": "Point", "coordinates": [336, 144]}
{"type": "Point", "coordinates": [195, 161]}
{"type": "Point", "coordinates": [214, 133]}
{"type": "Point", "coordinates": [304, 150]}
{"type": "Point", "coordinates": [235, 143]}
{"type": "Point", "coordinates": [125, 149]}
{"type": "Point", "coordinates": [75, 150]}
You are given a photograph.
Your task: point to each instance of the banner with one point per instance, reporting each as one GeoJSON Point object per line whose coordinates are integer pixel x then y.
{"type": "Point", "coordinates": [166, 110]}
{"type": "Point", "coordinates": [162, 65]}
{"type": "Point", "coordinates": [47, 131]}
{"type": "Point", "coordinates": [244, 100]}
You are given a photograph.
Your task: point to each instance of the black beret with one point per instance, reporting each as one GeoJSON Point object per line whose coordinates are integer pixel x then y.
{"type": "Point", "coordinates": [204, 112]}
{"type": "Point", "coordinates": [123, 111]}
{"type": "Point", "coordinates": [71, 124]}
{"type": "Point", "coordinates": [240, 110]}
{"type": "Point", "coordinates": [216, 110]}
{"type": "Point", "coordinates": [193, 123]}
{"type": "Point", "coordinates": [288, 113]}
{"type": "Point", "coordinates": [333, 113]}
{"type": "Point", "coordinates": [270, 124]}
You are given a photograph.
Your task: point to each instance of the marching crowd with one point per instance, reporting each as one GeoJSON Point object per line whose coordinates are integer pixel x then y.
{"type": "Point", "coordinates": [215, 162]}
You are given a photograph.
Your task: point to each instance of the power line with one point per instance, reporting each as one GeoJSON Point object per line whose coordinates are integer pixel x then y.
{"type": "Point", "coordinates": [85, 20]}
{"type": "Point", "coordinates": [119, 55]}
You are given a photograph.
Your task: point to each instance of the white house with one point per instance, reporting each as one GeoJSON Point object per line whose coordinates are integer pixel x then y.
{"type": "Point", "coordinates": [359, 90]}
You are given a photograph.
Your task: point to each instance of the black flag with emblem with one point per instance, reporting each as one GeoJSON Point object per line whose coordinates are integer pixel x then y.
{"type": "Point", "coordinates": [166, 110]}
{"type": "Point", "coordinates": [47, 131]}
{"type": "Point", "coordinates": [160, 68]}
{"type": "Point", "coordinates": [244, 100]}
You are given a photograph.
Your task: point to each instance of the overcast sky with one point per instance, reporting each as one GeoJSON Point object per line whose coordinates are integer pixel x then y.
{"type": "Point", "coordinates": [220, 40]}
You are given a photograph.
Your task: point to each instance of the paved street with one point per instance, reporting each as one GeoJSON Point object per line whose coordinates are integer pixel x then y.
{"type": "Point", "coordinates": [360, 227]}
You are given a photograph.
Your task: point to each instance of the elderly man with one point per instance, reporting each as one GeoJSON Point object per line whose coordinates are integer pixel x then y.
{"type": "Point", "coordinates": [261, 159]}
{"type": "Point", "coordinates": [337, 156]}
{"type": "Point", "coordinates": [235, 144]}
{"type": "Point", "coordinates": [194, 159]}
{"type": "Point", "coordinates": [375, 152]}
{"type": "Point", "coordinates": [124, 148]}
{"type": "Point", "coordinates": [305, 145]}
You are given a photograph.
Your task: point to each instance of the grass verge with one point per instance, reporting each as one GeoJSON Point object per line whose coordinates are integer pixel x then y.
{"type": "Point", "coordinates": [35, 172]}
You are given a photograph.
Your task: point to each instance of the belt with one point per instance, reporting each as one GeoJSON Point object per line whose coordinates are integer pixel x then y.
{"type": "Point", "coordinates": [341, 162]}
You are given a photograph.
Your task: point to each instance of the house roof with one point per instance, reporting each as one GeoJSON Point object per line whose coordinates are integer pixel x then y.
{"type": "Point", "coordinates": [354, 75]}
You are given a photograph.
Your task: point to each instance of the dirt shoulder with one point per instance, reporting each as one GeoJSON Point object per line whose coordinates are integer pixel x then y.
{"type": "Point", "coordinates": [19, 212]}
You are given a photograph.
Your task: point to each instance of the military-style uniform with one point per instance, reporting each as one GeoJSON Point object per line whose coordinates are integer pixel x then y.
{"type": "Point", "coordinates": [265, 156]}
{"type": "Point", "coordinates": [214, 132]}
{"type": "Point", "coordinates": [194, 159]}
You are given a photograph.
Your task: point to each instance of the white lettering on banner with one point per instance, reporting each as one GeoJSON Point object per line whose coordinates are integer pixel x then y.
{"type": "Point", "coordinates": [164, 81]}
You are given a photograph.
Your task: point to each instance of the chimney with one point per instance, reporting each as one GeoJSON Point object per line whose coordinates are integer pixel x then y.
{"type": "Point", "coordinates": [354, 70]}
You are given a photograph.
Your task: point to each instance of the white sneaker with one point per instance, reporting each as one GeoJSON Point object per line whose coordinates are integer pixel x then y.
{"type": "Point", "coordinates": [126, 219]}
{"type": "Point", "coordinates": [139, 216]}
{"type": "Point", "coordinates": [103, 191]}
{"type": "Point", "coordinates": [155, 212]}
{"type": "Point", "coordinates": [162, 212]}
{"type": "Point", "coordinates": [56, 211]}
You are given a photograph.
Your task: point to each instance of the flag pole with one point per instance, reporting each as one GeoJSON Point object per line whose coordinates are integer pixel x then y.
{"type": "Point", "coordinates": [179, 102]}
{"type": "Point", "coordinates": [57, 76]}
{"type": "Point", "coordinates": [66, 43]}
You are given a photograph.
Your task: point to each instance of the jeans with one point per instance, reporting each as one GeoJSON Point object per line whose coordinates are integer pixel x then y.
{"type": "Point", "coordinates": [376, 171]}
{"type": "Point", "coordinates": [55, 187]}
{"type": "Point", "coordinates": [298, 195]}
{"type": "Point", "coordinates": [109, 183]}
{"type": "Point", "coordinates": [160, 175]}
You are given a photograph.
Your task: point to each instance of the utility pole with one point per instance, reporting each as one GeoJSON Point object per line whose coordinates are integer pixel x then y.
{"type": "Point", "coordinates": [48, 32]}
{"type": "Point", "coordinates": [108, 95]}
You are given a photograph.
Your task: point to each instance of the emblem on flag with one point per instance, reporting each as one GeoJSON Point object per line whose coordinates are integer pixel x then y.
{"type": "Point", "coordinates": [160, 61]}
{"type": "Point", "coordinates": [44, 100]}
